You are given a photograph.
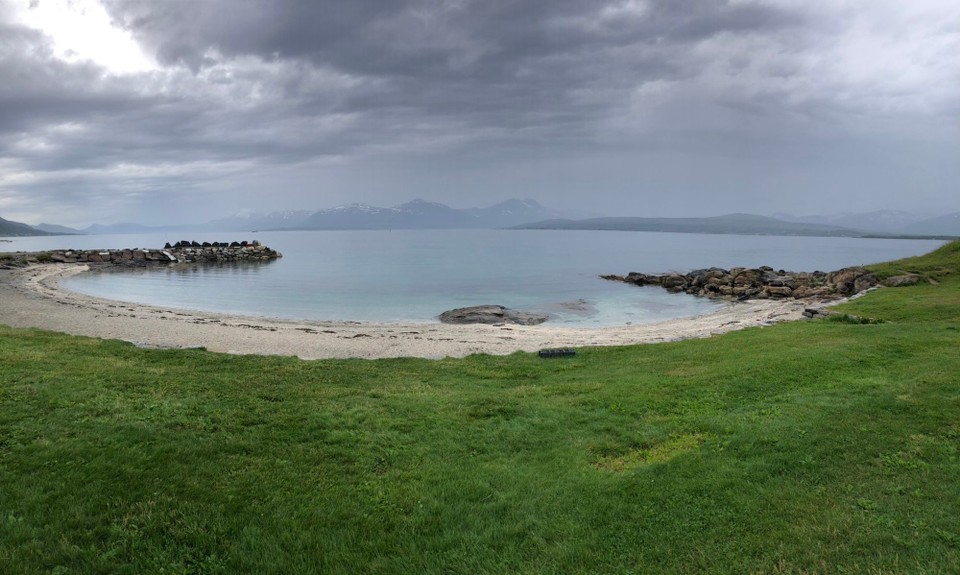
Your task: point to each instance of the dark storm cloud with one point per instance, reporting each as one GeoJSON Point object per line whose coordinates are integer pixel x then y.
{"type": "Point", "coordinates": [385, 95]}
{"type": "Point", "coordinates": [427, 37]}
{"type": "Point", "coordinates": [503, 63]}
{"type": "Point", "coordinates": [38, 89]}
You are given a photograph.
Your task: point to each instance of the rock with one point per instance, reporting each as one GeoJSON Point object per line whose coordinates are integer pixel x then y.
{"type": "Point", "coordinates": [717, 281]}
{"type": "Point", "coordinates": [816, 313]}
{"type": "Point", "coordinates": [844, 280]}
{"type": "Point", "coordinates": [699, 278]}
{"type": "Point", "coordinates": [491, 314]}
{"type": "Point", "coordinates": [748, 278]}
{"type": "Point", "coordinates": [642, 279]}
{"type": "Point", "coordinates": [674, 282]}
{"type": "Point", "coordinates": [864, 282]}
{"type": "Point", "coordinates": [761, 283]}
{"type": "Point", "coordinates": [782, 281]}
{"type": "Point", "coordinates": [900, 281]}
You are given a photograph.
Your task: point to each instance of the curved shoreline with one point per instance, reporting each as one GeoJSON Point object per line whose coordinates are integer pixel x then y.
{"type": "Point", "coordinates": [33, 297]}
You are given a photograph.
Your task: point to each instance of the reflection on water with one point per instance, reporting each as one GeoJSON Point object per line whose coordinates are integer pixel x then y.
{"type": "Point", "coordinates": [414, 275]}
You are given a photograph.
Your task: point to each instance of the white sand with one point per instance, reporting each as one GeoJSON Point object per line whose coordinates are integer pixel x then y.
{"type": "Point", "coordinates": [33, 297]}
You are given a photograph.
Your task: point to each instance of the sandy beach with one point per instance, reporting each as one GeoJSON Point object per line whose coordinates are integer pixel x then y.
{"type": "Point", "coordinates": [33, 297]}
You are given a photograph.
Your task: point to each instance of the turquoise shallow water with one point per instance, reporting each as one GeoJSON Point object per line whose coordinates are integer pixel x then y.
{"type": "Point", "coordinates": [414, 275]}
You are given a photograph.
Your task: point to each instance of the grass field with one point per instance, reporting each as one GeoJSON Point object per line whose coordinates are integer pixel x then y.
{"type": "Point", "coordinates": [809, 447]}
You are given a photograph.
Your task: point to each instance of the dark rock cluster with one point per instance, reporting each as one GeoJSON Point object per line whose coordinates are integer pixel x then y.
{"type": "Point", "coordinates": [181, 252]}
{"type": "Point", "coordinates": [189, 244]}
{"type": "Point", "coordinates": [222, 252]}
{"type": "Point", "coordinates": [492, 314]}
{"type": "Point", "coordinates": [759, 283]}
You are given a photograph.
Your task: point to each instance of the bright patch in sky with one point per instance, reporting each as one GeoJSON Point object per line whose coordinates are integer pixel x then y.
{"type": "Point", "coordinates": [81, 30]}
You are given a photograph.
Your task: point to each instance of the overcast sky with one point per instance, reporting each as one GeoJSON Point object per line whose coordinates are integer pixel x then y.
{"type": "Point", "coordinates": [164, 111]}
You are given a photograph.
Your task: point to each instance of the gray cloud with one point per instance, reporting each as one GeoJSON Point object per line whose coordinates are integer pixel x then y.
{"type": "Point", "coordinates": [656, 106]}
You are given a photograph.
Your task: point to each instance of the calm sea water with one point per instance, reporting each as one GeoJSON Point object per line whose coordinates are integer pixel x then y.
{"type": "Point", "coordinates": [414, 275]}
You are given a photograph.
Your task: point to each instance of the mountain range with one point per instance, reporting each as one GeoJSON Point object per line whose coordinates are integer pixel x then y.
{"type": "Point", "coordinates": [11, 229]}
{"type": "Point", "coordinates": [948, 225]}
{"type": "Point", "coordinates": [420, 214]}
{"type": "Point", "coordinates": [416, 214]}
{"type": "Point", "coordinates": [889, 221]}
{"type": "Point", "coordinates": [527, 214]}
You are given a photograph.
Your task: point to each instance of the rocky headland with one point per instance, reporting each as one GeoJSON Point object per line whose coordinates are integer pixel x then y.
{"type": "Point", "coordinates": [766, 283]}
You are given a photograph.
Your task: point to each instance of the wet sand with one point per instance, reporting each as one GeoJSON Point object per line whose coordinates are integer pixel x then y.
{"type": "Point", "coordinates": [33, 297]}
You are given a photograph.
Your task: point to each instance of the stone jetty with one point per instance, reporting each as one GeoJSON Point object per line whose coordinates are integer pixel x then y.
{"type": "Point", "coordinates": [181, 252]}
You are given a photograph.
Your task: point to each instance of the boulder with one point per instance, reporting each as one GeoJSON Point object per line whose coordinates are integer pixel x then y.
{"type": "Point", "coordinates": [699, 278]}
{"type": "Point", "coordinates": [779, 291]}
{"type": "Point", "coordinates": [781, 281]}
{"type": "Point", "coordinates": [748, 278]}
{"type": "Point", "coordinates": [864, 282]}
{"type": "Point", "coordinates": [674, 282]}
{"type": "Point", "coordinates": [843, 280]}
{"type": "Point", "coordinates": [816, 313]}
{"type": "Point", "coordinates": [492, 314]}
{"type": "Point", "coordinates": [642, 279]}
{"type": "Point", "coordinates": [899, 281]}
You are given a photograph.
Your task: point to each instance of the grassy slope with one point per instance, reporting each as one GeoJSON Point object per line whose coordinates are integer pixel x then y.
{"type": "Point", "coordinates": [812, 447]}
{"type": "Point", "coordinates": [936, 265]}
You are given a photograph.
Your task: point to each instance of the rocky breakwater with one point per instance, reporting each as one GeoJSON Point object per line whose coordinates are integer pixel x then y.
{"type": "Point", "coordinates": [181, 252]}
{"type": "Point", "coordinates": [221, 252]}
{"type": "Point", "coordinates": [765, 283]}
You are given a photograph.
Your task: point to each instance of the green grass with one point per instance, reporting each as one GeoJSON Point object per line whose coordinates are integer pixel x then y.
{"type": "Point", "coordinates": [935, 265]}
{"type": "Point", "coordinates": [810, 447]}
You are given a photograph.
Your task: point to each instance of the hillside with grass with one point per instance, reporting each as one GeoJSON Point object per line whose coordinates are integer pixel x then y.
{"type": "Point", "coordinates": [747, 224]}
{"type": "Point", "coordinates": [807, 447]}
{"type": "Point", "coordinates": [13, 229]}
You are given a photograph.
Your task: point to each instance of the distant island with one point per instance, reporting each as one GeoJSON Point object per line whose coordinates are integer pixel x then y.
{"type": "Point", "coordinates": [16, 229]}
{"type": "Point", "coordinates": [741, 224]}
